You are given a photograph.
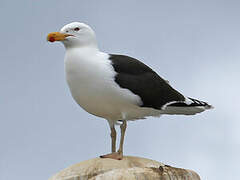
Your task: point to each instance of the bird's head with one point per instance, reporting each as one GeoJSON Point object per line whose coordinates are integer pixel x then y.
{"type": "Point", "coordinates": [73, 35]}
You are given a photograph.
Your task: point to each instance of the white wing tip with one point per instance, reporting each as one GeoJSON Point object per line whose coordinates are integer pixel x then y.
{"type": "Point", "coordinates": [209, 106]}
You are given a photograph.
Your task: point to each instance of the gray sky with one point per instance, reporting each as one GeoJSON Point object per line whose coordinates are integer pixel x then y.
{"type": "Point", "coordinates": [193, 44]}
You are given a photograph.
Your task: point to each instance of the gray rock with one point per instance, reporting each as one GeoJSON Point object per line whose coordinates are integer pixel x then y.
{"type": "Point", "coordinates": [129, 168]}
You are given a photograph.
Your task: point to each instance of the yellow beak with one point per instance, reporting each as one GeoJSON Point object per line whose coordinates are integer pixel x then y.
{"type": "Point", "coordinates": [57, 36]}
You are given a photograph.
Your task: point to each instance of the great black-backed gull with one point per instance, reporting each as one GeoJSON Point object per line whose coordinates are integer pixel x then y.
{"type": "Point", "coordinates": [117, 88]}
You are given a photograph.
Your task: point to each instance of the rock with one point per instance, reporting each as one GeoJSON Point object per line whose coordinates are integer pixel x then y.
{"type": "Point", "coordinates": [129, 168]}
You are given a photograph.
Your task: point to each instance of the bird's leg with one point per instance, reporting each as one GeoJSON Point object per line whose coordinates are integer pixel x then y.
{"type": "Point", "coordinates": [113, 137]}
{"type": "Point", "coordinates": [114, 154]}
{"type": "Point", "coordinates": [123, 129]}
{"type": "Point", "coordinates": [117, 155]}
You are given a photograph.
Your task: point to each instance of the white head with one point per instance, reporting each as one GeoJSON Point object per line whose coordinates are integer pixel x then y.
{"type": "Point", "coordinates": [75, 34]}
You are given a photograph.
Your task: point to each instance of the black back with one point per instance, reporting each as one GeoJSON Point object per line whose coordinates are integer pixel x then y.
{"type": "Point", "coordinates": [143, 81]}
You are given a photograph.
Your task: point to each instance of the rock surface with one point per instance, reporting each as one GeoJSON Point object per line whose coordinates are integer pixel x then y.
{"type": "Point", "coordinates": [129, 168]}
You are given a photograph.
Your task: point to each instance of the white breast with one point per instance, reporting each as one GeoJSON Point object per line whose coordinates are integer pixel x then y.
{"type": "Point", "coordinates": [90, 77]}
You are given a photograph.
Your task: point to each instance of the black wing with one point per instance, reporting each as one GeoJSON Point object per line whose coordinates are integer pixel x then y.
{"type": "Point", "coordinates": [132, 74]}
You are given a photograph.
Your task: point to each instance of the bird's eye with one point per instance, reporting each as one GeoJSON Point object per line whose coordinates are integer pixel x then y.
{"type": "Point", "coordinates": [76, 29]}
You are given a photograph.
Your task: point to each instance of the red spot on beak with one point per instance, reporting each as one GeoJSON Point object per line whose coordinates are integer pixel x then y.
{"type": "Point", "coordinates": [51, 39]}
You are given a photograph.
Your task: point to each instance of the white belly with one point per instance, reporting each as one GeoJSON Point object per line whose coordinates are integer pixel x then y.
{"type": "Point", "coordinates": [91, 81]}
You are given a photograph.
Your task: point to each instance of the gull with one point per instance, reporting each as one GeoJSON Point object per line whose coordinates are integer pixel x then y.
{"type": "Point", "coordinates": [115, 87]}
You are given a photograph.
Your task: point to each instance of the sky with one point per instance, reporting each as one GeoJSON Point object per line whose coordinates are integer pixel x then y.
{"type": "Point", "coordinates": [193, 44]}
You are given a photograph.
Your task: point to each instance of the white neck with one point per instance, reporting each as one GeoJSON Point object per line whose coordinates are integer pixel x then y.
{"type": "Point", "coordinates": [92, 45]}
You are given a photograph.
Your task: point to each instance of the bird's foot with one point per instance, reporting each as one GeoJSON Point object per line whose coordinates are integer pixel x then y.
{"type": "Point", "coordinates": [115, 155]}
